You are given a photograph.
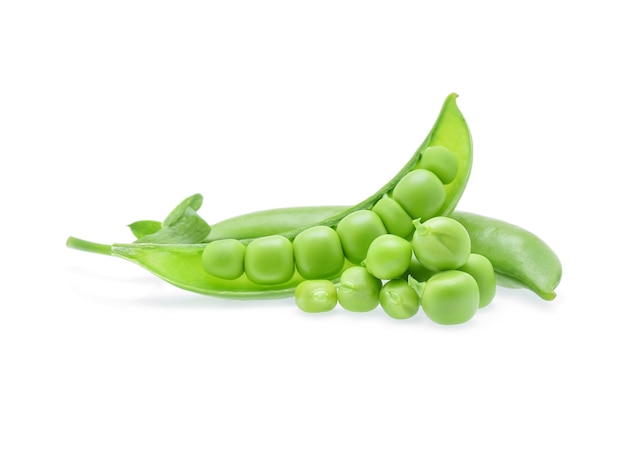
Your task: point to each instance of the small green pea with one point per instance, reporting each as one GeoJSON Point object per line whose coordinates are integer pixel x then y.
{"type": "Point", "coordinates": [316, 296]}
{"type": "Point", "coordinates": [388, 257]}
{"type": "Point", "coordinates": [224, 258]}
{"type": "Point", "coordinates": [481, 269]}
{"type": "Point", "coordinates": [441, 243]}
{"type": "Point", "coordinates": [394, 217]}
{"type": "Point", "coordinates": [450, 297]}
{"type": "Point", "coordinates": [357, 231]}
{"type": "Point", "coordinates": [399, 300]}
{"type": "Point", "coordinates": [420, 193]}
{"type": "Point", "coordinates": [269, 260]}
{"type": "Point", "coordinates": [358, 290]}
{"type": "Point", "coordinates": [318, 253]}
{"type": "Point", "coordinates": [440, 161]}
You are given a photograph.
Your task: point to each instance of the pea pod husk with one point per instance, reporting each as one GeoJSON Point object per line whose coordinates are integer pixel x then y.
{"type": "Point", "coordinates": [519, 257]}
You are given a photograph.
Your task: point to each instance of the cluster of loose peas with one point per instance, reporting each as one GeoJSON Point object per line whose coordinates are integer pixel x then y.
{"type": "Point", "coordinates": [401, 255]}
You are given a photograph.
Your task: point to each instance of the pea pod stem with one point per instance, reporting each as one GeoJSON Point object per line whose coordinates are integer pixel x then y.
{"type": "Point", "coordinates": [88, 246]}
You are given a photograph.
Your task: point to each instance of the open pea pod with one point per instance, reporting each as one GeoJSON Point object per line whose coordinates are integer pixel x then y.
{"type": "Point", "coordinates": [180, 263]}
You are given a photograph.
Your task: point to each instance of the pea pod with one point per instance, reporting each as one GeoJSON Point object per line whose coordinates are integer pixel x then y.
{"type": "Point", "coordinates": [519, 257]}
{"type": "Point", "coordinates": [181, 264]}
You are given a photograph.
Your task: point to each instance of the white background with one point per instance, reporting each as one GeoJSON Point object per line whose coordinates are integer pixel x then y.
{"type": "Point", "coordinates": [114, 111]}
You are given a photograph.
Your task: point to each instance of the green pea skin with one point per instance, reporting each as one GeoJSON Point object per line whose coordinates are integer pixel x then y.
{"type": "Point", "coordinates": [357, 231]}
{"type": "Point", "coordinates": [358, 290]}
{"type": "Point", "coordinates": [481, 269]}
{"type": "Point", "coordinates": [269, 260]}
{"type": "Point", "coordinates": [315, 296]}
{"type": "Point", "coordinates": [440, 161]}
{"type": "Point", "coordinates": [388, 257]}
{"type": "Point", "coordinates": [450, 297]}
{"type": "Point", "coordinates": [441, 243]}
{"type": "Point", "coordinates": [318, 253]}
{"type": "Point", "coordinates": [399, 300]}
{"type": "Point", "coordinates": [420, 193]}
{"type": "Point", "coordinates": [394, 217]}
{"type": "Point", "coordinates": [224, 259]}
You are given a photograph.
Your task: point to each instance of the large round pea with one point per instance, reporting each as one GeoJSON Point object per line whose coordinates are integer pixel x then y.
{"type": "Point", "coordinates": [388, 257]}
{"type": "Point", "coordinates": [358, 290]}
{"type": "Point", "coordinates": [441, 243]}
{"type": "Point", "coordinates": [224, 258]}
{"type": "Point", "coordinates": [450, 297]}
{"type": "Point", "coordinates": [357, 231]}
{"type": "Point", "coordinates": [481, 269]}
{"type": "Point", "coordinates": [399, 300]}
{"type": "Point", "coordinates": [440, 161]}
{"type": "Point", "coordinates": [269, 260]}
{"type": "Point", "coordinates": [394, 217]}
{"type": "Point", "coordinates": [316, 296]}
{"type": "Point", "coordinates": [318, 253]}
{"type": "Point", "coordinates": [420, 193]}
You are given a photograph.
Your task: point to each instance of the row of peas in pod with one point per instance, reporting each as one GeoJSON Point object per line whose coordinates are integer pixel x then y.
{"type": "Point", "coordinates": [377, 241]}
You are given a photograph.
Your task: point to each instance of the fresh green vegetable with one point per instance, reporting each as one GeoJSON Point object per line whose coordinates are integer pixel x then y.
{"type": "Point", "coordinates": [318, 253]}
{"type": "Point", "coordinates": [519, 257]}
{"type": "Point", "coordinates": [316, 296]}
{"type": "Point", "coordinates": [441, 243]}
{"type": "Point", "coordinates": [407, 233]}
{"type": "Point", "coordinates": [224, 259]}
{"type": "Point", "coordinates": [358, 290]}
{"type": "Point", "coordinates": [398, 299]}
{"type": "Point", "coordinates": [388, 257]}
{"type": "Point", "coordinates": [449, 297]}
{"type": "Point", "coordinates": [481, 269]}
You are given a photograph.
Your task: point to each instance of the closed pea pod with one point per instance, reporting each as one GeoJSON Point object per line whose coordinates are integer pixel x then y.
{"type": "Point", "coordinates": [420, 193]}
{"type": "Point", "coordinates": [224, 259]}
{"type": "Point", "coordinates": [357, 231]}
{"type": "Point", "coordinates": [399, 300]}
{"type": "Point", "coordinates": [269, 260]}
{"type": "Point", "coordinates": [316, 296]}
{"type": "Point", "coordinates": [358, 290]}
{"type": "Point", "coordinates": [318, 252]}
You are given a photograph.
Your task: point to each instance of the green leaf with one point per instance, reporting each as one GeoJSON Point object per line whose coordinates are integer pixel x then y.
{"type": "Point", "coordinates": [188, 229]}
{"type": "Point", "coordinates": [143, 228]}
{"type": "Point", "coordinates": [194, 202]}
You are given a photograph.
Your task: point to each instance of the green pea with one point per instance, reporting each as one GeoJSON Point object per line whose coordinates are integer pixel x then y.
{"type": "Point", "coordinates": [394, 217]}
{"type": "Point", "coordinates": [450, 297]}
{"type": "Point", "coordinates": [358, 290]}
{"type": "Point", "coordinates": [418, 271]}
{"type": "Point", "coordinates": [481, 269]}
{"type": "Point", "coordinates": [224, 259]}
{"type": "Point", "coordinates": [441, 243]}
{"type": "Point", "coordinates": [388, 257]}
{"type": "Point", "coordinates": [399, 300]}
{"type": "Point", "coordinates": [357, 231]}
{"type": "Point", "coordinates": [318, 253]}
{"type": "Point", "coordinates": [440, 161]}
{"type": "Point", "coordinates": [269, 260]}
{"type": "Point", "coordinates": [420, 193]}
{"type": "Point", "coordinates": [316, 296]}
